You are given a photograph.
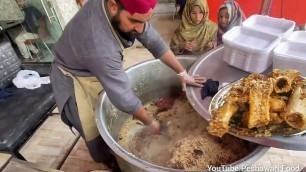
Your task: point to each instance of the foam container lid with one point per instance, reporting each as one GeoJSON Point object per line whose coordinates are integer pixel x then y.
{"type": "Point", "coordinates": [293, 50]}
{"type": "Point", "coordinates": [250, 40]}
{"type": "Point", "coordinates": [272, 25]}
{"type": "Point", "coordinates": [298, 36]}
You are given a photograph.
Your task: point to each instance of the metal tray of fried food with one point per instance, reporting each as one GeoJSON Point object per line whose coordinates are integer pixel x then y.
{"type": "Point", "coordinates": [276, 129]}
{"type": "Point", "coordinates": [212, 66]}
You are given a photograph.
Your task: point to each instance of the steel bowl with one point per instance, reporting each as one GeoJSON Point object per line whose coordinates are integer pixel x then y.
{"type": "Point", "coordinates": [150, 80]}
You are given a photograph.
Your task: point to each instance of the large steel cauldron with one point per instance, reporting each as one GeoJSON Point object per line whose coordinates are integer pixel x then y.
{"type": "Point", "coordinates": [150, 80]}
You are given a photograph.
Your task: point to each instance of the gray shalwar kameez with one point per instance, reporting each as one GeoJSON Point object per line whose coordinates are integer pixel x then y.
{"type": "Point", "coordinates": [88, 47]}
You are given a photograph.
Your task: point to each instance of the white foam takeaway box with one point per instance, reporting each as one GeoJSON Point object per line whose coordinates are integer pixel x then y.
{"type": "Point", "coordinates": [272, 25]}
{"type": "Point", "coordinates": [298, 36]}
{"type": "Point", "coordinates": [248, 49]}
{"type": "Point", "coordinates": [290, 55]}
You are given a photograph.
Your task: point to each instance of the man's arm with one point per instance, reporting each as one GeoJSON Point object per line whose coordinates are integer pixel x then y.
{"type": "Point", "coordinates": [42, 29]}
{"type": "Point", "coordinates": [115, 82]}
{"type": "Point", "coordinates": [170, 60]}
{"type": "Point", "coordinates": [151, 39]}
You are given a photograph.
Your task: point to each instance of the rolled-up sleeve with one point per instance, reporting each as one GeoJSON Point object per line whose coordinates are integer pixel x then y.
{"type": "Point", "coordinates": [115, 82]}
{"type": "Point", "coordinates": [151, 39]}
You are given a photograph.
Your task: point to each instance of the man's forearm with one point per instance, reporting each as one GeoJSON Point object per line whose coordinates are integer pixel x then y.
{"type": "Point", "coordinates": [42, 29]}
{"type": "Point", "coordinates": [170, 60]}
{"type": "Point", "coordinates": [143, 116]}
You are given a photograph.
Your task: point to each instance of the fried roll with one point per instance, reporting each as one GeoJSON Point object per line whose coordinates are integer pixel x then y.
{"type": "Point", "coordinates": [282, 83]}
{"type": "Point", "coordinates": [295, 113]}
{"type": "Point", "coordinates": [277, 105]}
{"type": "Point", "coordinates": [276, 118]}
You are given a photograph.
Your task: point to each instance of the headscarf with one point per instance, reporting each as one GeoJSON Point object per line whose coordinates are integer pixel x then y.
{"type": "Point", "coordinates": [201, 34]}
{"type": "Point", "coordinates": [236, 17]}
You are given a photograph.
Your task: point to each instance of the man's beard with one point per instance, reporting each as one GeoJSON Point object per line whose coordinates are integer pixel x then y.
{"type": "Point", "coordinates": [130, 36]}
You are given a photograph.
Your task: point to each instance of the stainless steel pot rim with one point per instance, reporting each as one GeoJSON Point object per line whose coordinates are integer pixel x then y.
{"type": "Point", "coordinates": [127, 156]}
{"type": "Point", "coordinates": [259, 151]}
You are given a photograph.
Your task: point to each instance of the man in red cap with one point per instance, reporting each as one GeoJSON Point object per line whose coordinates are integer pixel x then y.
{"type": "Point", "coordinates": [89, 55]}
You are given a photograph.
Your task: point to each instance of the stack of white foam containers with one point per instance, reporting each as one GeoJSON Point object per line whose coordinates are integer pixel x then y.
{"type": "Point", "coordinates": [250, 47]}
{"type": "Point", "coordinates": [291, 54]}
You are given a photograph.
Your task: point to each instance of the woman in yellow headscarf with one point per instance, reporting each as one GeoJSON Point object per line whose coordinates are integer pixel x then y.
{"type": "Point", "coordinates": [196, 33]}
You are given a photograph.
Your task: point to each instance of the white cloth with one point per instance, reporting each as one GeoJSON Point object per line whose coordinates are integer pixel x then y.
{"type": "Point", "coordinates": [21, 38]}
{"type": "Point", "coordinates": [29, 79]}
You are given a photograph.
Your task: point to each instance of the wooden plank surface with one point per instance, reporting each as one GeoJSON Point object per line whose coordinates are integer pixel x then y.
{"type": "Point", "coordinates": [4, 159]}
{"type": "Point", "coordinates": [79, 160]}
{"type": "Point", "coordinates": [51, 144]}
{"type": "Point", "coordinates": [16, 165]}
{"type": "Point", "coordinates": [55, 111]}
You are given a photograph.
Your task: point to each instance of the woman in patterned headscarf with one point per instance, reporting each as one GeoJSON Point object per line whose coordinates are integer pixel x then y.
{"type": "Point", "coordinates": [196, 32]}
{"type": "Point", "coordinates": [230, 15]}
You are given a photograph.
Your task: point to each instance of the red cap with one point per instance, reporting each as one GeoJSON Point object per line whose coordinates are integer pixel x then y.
{"type": "Point", "coordinates": [138, 6]}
